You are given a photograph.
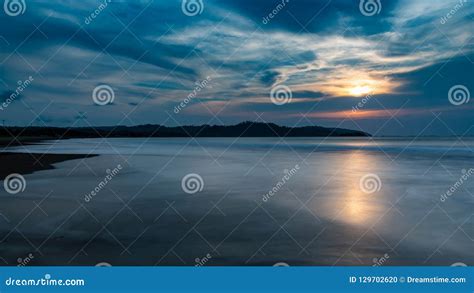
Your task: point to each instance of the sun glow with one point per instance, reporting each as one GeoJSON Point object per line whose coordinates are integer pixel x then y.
{"type": "Point", "coordinates": [360, 90]}
{"type": "Point", "coordinates": [352, 83]}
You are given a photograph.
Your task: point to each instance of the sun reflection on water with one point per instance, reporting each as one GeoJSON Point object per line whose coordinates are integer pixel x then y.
{"type": "Point", "coordinates": [347, 202]}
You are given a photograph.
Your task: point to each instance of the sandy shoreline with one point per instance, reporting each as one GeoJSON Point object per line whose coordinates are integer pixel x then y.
{"type": "Point", "coordinates": [27, 163]}
{"type": "Point", "coordinates": [24, 163]}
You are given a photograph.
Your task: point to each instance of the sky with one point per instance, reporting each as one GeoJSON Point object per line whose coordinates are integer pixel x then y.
{"type": "Point", "coordinates": [390, 68]}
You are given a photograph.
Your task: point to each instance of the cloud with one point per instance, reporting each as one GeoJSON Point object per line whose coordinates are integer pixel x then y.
{"type": "Point", "coordinates": [5, 95]}
{"type": "Point", "coordinates": [152, 55]}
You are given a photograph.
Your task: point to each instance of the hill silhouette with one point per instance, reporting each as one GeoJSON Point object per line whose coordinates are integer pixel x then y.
{"type": "Point", "coordinates": [244, 129]}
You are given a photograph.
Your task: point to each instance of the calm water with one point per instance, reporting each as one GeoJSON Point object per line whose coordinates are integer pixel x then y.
{"type": "Point", "coordinates": [318, 215]}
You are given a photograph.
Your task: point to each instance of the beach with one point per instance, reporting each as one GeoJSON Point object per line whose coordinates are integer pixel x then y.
{"type": "Point", "coordinates": [258, 202]}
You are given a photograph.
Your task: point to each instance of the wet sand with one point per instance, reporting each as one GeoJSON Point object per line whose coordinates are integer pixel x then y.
{"type": "Point", "coordinates": [25, 163]}
{"type": "Point", "coordinates": [143, 216]}
{"type": "Point", "coordinates": [13, 249]}
{"type": "Point", "coordinates": [28, 163]}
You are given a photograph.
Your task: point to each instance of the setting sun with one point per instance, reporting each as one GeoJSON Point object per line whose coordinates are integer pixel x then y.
{"type": "Point", "coordinates": [360, 90]}
{"type": "Point", "coordinates": [352, 83]}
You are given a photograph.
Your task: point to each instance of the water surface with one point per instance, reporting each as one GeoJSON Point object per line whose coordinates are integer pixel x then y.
{"type": "Point", "coordinates": [320, 215]}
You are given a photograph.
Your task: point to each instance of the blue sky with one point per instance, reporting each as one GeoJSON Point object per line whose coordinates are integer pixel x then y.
{"type": "Point", "coordinates": [328, 54]}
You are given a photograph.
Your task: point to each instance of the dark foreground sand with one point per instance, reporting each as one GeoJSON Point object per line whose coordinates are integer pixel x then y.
{"type": "Point", "coordinates": [24, 163]}
{"type": "Point", "coordinates": [29, 163]}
